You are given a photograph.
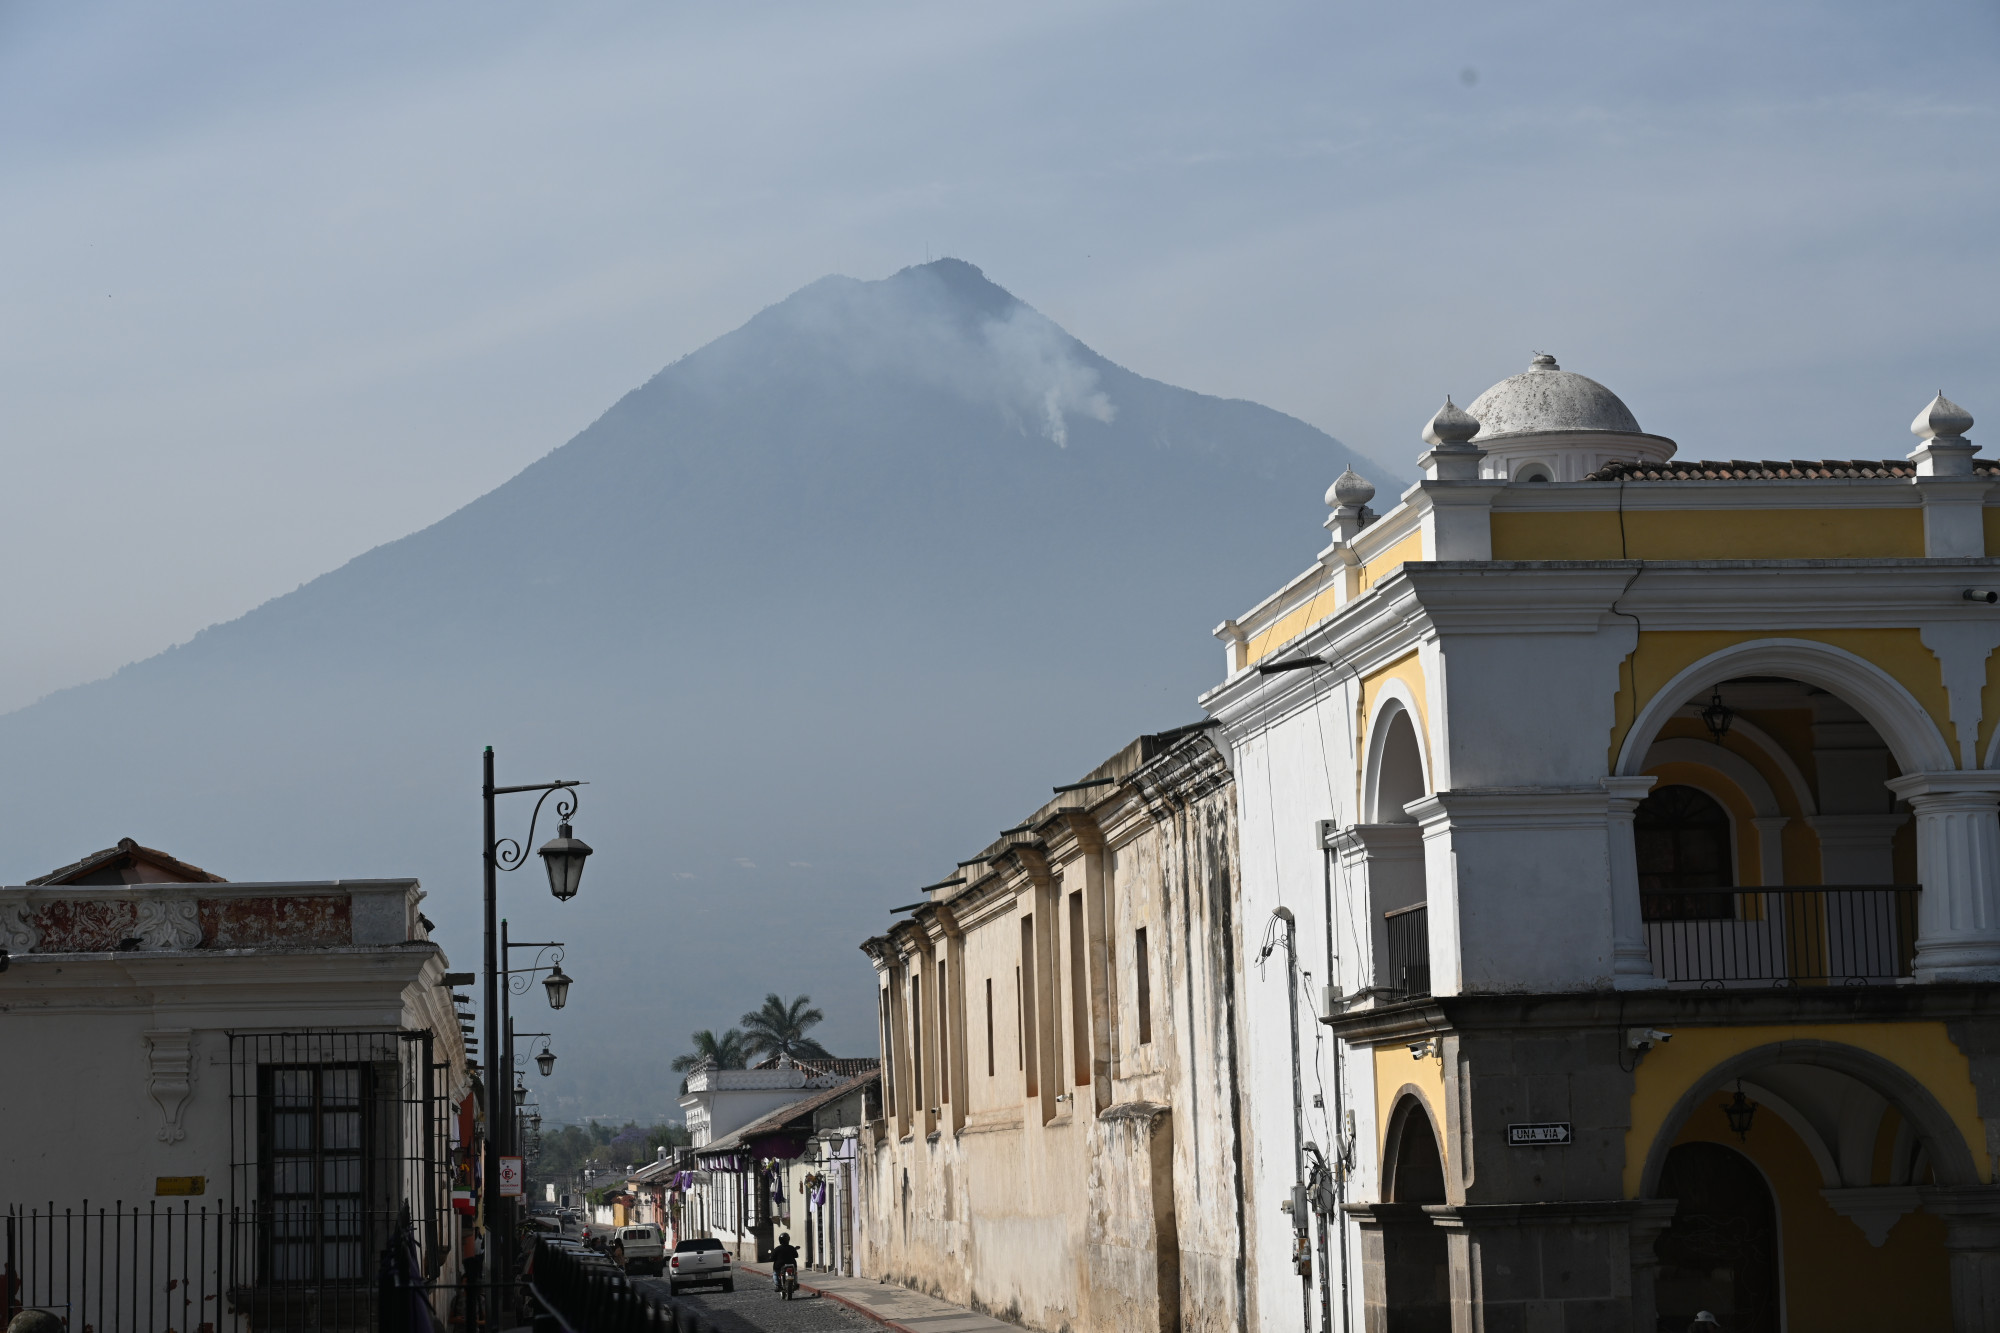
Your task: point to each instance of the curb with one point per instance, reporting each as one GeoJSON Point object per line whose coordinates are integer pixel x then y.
{"type": "Point", "coordinates": [823, 1294]}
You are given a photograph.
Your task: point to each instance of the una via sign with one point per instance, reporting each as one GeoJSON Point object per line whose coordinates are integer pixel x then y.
{"type": "Point", "coordinates": [1550, 1135]}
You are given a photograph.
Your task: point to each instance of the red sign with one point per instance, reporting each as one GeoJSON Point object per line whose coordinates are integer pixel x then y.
{"type": "Point", "coordinates": [510, 1177]}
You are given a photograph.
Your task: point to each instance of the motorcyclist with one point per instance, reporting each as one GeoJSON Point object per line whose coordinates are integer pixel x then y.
{"type": "Point", "coordinates": [784, 1252]}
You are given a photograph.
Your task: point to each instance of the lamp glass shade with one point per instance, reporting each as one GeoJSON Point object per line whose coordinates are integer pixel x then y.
{"type": "Point", "coordinates": [547, 1060]}
{"type": "Point", "coordinates": [564, 856]}
{"type": "Point", "coordinates": [558, 987]}
{"type": "Point", "coordinates": [520, 1095]}
{"type": "Point", "coordinates": [1740, 1111]}
{"type": "Point", "coordinates": [1717, 716]}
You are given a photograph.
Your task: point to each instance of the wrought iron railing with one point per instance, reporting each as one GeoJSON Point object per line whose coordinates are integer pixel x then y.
{"type": "Point", "coordinates": [119, 1269]}
{"type": "Point", "coordinates": [1409, 951]}
{"type": "Point", "coordinates": [1852, 934]}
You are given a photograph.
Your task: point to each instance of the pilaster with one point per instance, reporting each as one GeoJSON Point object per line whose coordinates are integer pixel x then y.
{"type": "Point", "coordinates": [1631, 957]}
{"type": "Point", "coordinates": [1958, 864]}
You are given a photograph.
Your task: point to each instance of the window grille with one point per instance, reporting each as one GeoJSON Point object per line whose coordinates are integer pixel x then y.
{"type": "Point", "coordinates": [332, 1135]}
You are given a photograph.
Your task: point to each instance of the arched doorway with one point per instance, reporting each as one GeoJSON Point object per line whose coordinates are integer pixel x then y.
{"type": "Point", "coordinates": [1720, 1253]}
{"type": "Point", "coordinates": [1399, 767]}
{"type": "Point", "coordinates": [1418, 1278]}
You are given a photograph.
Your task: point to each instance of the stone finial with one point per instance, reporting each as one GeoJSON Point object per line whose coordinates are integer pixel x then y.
{"type": "Point", "coordinates": [1941, 419]}
{"type": "Point", "coordinates": [1543, 361]}
{"type": "Point", "coordinates": [1349, 490]}
{"type": "Point", "coordinates": [1452, 426]}
{"type": "Point", "coordinates": [1942, 449]}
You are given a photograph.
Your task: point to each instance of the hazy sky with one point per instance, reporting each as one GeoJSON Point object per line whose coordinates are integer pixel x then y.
{"type": "Point", "coordinates": [285, 281]}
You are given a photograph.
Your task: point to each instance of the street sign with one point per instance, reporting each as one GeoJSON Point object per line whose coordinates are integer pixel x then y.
{"type": "Point", "coordinates": [510, 1177]}
{"type": "Point", "coordinates": [1554, 1134]}
{"type": "Point", "coordinates": [180, 1185]}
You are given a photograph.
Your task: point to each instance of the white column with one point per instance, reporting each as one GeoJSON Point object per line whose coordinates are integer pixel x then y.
{"type": "Point", "coordinates": [1631, 959]}
{"type": "Point", "coordinates": [1958, 863]}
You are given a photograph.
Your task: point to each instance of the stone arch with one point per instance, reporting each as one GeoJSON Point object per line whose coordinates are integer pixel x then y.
{"type": "Point", "coordinates": [1731, 765]}
{"type": "Point", "coordinates": [1904, 725]}
{"type": "Point", "coordinates": [1413, 1129]}
{"type": "Point", "coordinates": [1950, 1157]}
{"type": "Point", "coordinates": [1766, 818]}
{"type": "Point", "coordinates": [1397, 768]}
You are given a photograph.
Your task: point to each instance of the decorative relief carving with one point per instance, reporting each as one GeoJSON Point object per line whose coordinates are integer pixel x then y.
{"type": "Point", "coordinates": [169, 923]}
{"type": "Point", "coordinates": [170, 1077]}
{"type": "Point", "coordinates": [18, 933]}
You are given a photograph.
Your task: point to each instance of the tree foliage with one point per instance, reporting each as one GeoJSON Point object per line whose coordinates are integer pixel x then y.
{"type": "Point", "coordinates": [731, 1050]}
{"type": "Point", "coordinates": [780, 1028]}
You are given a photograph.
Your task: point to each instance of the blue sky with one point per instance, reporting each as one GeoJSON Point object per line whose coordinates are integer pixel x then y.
{"type": "Point", "coordinates": [287, 281]}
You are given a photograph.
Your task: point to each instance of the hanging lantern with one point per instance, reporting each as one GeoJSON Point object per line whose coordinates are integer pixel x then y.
{"type": "Point", "coordinates": [557, 985]}
{"type": "Point", "coordinates": [564, 856]}
{"type": "Point", "coordinates": [547, 1060]}
{"type": "Point", "coordinates": [1717, 716]}
{"type": "Point", "coordinates": [1740, 1111]}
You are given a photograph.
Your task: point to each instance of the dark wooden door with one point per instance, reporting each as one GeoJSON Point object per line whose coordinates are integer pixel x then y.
{"type": "Point", "coordinates": [1721, 1252]}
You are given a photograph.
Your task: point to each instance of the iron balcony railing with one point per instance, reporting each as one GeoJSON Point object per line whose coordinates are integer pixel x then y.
{"type": "Point", "coordinates": [1409, 952]}
{"type": "Point", "coordinates": [1853, 934]}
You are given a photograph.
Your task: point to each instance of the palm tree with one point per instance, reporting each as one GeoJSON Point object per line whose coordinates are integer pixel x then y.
{"type": "Point", "coordinates": [731, 1050]}
{"type": "Point", "coordinates": [780, 1029]}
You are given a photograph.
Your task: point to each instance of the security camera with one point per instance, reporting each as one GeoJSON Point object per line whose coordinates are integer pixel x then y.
{"type": "Point", "coordinates": [1986, 595]}
{"type": "Point", "coordinates": [1420, 1049]}
{"type": "Point", "coordinates": [1644, 1039]}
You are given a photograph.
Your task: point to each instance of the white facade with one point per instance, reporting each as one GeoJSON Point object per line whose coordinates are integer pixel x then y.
{"type": "Point", "coordinates": [719, 1102]}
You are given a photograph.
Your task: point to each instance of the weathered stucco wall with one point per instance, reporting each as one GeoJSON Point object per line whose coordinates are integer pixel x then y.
{"type": "Point", "coordinates": [1074, 1159]}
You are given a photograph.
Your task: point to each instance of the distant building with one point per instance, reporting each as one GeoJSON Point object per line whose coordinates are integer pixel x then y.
{"type": "Point", "coordinates": [1062, 1062]}
{"type": "Point", "coordinates": [277, 1066]}
{"type": "Point", "coordinates": [714, 1199]}
{"type": "Point", "coordinates": [1642, 814]}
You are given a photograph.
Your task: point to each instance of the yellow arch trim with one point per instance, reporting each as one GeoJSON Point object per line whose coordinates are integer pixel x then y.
{"type": "Point", "coordinates": [1663, 654]}
{"type": "Point", "coordinates": [1923, 1050]}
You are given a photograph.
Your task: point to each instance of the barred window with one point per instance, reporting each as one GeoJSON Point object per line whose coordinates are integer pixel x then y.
{"type": "Point", "coordinates": [315, 1146]}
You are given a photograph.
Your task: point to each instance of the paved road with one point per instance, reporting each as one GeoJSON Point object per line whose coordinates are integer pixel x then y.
{"type": "Point", "coordinates": [754, 1308]}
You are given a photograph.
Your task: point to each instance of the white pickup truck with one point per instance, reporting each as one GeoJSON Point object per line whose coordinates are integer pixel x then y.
{"type": "Point", "coordinates": [639, 1249]}
{"type": "Point", "coordinates": [698, 1263]}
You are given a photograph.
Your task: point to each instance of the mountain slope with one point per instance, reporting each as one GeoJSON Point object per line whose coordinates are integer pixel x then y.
{"type": "Point", "coordinates": [815, 609]}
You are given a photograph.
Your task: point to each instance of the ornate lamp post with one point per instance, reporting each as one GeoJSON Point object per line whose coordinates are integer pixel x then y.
{"type": "Point", "coordinates": [563, 857]}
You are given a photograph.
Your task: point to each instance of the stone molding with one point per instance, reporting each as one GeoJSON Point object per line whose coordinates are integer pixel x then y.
{"type": "Point", "coordinates": [1875, 1208]}
{"type": "Point", "coordinates": [170, 1076]}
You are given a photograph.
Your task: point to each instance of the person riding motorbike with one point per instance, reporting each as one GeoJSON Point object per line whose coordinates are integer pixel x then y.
{"type": "Point", "coordinates": [784, 1255]}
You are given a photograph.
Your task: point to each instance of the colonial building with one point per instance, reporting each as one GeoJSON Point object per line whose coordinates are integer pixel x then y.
{"type": "Point", "coordinates": [1635, 820]}
{"type": "Point", "coordinates": [232, 1094]}
{"type": "Point", "coordinates": [1061, 1089]}
{"type": "Point", "coordinates": [712, 1191]}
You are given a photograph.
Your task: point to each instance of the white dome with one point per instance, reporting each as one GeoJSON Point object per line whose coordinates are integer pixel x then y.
{"type": "Point", "coordinates": [1548, 398]}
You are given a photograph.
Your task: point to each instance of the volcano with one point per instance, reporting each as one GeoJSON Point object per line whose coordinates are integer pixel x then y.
{"type": "Point", "coordinates": [815, 611]}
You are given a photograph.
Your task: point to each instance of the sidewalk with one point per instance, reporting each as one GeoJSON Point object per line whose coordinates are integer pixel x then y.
{"type": "Point", "coordinates": [900, 1308]}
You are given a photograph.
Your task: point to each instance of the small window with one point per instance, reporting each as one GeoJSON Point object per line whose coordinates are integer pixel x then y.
{"type": "Point", "coordinates": [1142, 966]}
{"type": "Point", "coordinates": [944, 1036]}
{"type": "Point", "coordinates": [1534, 472]}
{"type": "Point", "coordinates": [1682, 837]}
{"type": "Point", "coordinates": [989, 1027]}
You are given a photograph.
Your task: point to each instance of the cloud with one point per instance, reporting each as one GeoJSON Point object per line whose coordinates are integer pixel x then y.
{"type": "Point", "coordinates": [746, 863]}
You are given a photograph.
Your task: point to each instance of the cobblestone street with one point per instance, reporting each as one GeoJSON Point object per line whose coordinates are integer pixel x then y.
{"type": "Point", "coordinates": [754, 1308]}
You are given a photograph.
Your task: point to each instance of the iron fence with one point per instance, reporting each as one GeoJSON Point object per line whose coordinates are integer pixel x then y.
{"type": "Point", "coordinates": [1409, 952]}
{"type": "Point", "coordinates": [1851, 934]}
{"type": "Point", "coordinates": [120, 1269]}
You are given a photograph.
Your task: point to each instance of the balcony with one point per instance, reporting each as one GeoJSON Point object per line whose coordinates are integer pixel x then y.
{"type": "Point", "coordinates": [1409, 952]}
{"type": "Point", "coordinates": [1849, 934]}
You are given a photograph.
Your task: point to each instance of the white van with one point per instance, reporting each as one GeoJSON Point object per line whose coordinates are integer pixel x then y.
{"type": "Point", "coordinates": [640, 1248]}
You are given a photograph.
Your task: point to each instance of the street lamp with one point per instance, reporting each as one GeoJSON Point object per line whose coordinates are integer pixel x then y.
{"type": "Point", "coordinates": [564, 857]}
{"type": "Point", "coordinates": [558, 987]}
{"type": "Point", "coordinates": [547, 1060]}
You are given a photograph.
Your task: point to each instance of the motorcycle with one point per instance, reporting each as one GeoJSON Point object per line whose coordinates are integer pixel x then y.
{"type": "Point", "coordinates": [788, 1281]}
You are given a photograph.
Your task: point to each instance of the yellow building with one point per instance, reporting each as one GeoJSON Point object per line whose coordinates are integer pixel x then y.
{"type": "Point", "coordinates": [1637, 822]}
